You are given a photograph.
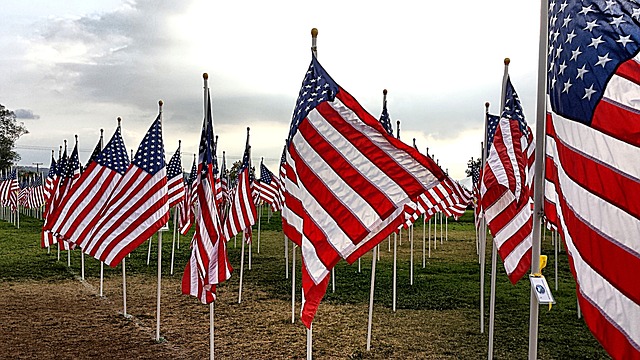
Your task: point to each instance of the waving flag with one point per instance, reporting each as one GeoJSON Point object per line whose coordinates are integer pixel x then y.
{"type": "Point", "coordinates": [137, 207]}
{"type": "Point", "coordinates": [269, 188]}
{"type": "Point", "coordinates": [208, 264]}
{"type": "Point", "coordinates": [50, 180]}
{"type": "Point", "coordinates": [175, 182]}
{"type": "Point", "coordinates": [47, 238]}
{"type": "Point", "coordinates": [347, 181]}
{"type": "Point", "coordinates": [186, 215]}
{"type": "Point", "coordinates": [592, 177]}
{"type": "Point", "coordinates": [242, 213]}
{"type": "Point", "coordinates": [36, 196]}
{"type": "Point", "coordinates": [506, 187]}
{"type": "Point", "coordinates": [80, 210]}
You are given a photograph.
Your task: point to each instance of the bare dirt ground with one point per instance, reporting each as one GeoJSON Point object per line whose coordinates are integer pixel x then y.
{"type": "Point", "coordinates": [68, 320]}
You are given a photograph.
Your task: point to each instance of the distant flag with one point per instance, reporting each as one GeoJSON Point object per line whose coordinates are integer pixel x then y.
{"type": "Point", "coordinates": [81, 209]}
{"type": "Point", "coordinates": [384, 117]}
{"type": "Point", "coordinates": [13, 190]}
{"type": "Point", "coordinates": [36, 197]}
{"type": "Point", "coordinates": [47, 238]}
{"type": "Point", "coordinates": [138, 206]}
{"type": "Point", "coordinates": [269, 188]}
{"type": "Point", "coordinates": [492, 126]}
{"type": "Point", "coordinates": [592, 174]}
{"type": "Point", "coordinates": [96, 151]}
{"type": "Point", "coordinates": [224, 181]}
{"type": "Point", "coordinates": [185, 213]}
{"type": "Point", "coordinates": [347, 181]}
{"type": "Point", "coordinates": [506, 187]}
{"type": "Point", "coordinates": [175, 182]}
{"type": "Point", "coordinates": [242, 213]}
{"type": "Point", "coordinates": [208, 264]}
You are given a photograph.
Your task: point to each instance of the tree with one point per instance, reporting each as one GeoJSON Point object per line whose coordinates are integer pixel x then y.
{"type": "Point", "coordinates": [10, 132]}
{"type": "Point", "coordinates": [233, 172]}
{"type": "Point", "coordinates": [473, 168]}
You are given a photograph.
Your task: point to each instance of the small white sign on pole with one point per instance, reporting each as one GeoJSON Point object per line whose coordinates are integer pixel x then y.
{"type": "Point", "coordinates": [542, 290]}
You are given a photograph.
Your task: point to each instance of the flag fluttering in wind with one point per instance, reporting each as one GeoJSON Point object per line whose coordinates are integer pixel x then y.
{"type": "Point", "coordinates": [138, 206]}
{"type": "Point", "coordinates": [347, 181]}
{"type": "Point", "coordinates": [268, 186]}
{"type": "Point", "coordinates": [592, 165]}
{"type": "Point", "coordinates": [79, 211]}
{"type": "Point", "coordinates": [175, 182]}
{"type": "Point", "coordinates": [242, 213]}
{"type": "Point", "coordinates": [506, 195]}
{"type": "Point", "coordinates": [47, 237]}
{"type": "Point", "coordinates": [208, 264]}
{"type": "Point", "coordinates": [186, 215]}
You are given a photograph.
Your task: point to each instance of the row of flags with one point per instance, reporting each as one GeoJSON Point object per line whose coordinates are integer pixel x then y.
{"type": "Point", "coordinates": [590, 168]}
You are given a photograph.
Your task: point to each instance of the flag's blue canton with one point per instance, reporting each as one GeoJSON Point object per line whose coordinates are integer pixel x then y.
{"type": "Point", "coordinates": [215, 157]}
{"type": "Point", "coordinates": [73, 164]}
{"type": "Point", "coordinates": [95, 153]}
{"type": "Point", "coordinates": [245, 161]}
{"type": "Point", "coordinates": [317, 87]}
{"type": "Point", "coordinates": [206, 141]}
{"type": "Point", "coordinates": [175, 165]}
{"type": "Point", "coordinates": [52, 167]}
{"type": "Point", "coordinates": [512, 109]}
{"type": "Point", "coordinates": [37, 181]}
{"type": "Point", "coordinates": [587, 42]}
{"type": "Point", "coordinates": [492, 126]}
{"type": "Point", "coordinates": [265, 174]}
{"type": "Point", "coordinates": [150, 154]}
{"type": "Point", "coordinates": [193, 173]}
{"type": "Point", "coordinates": [114, 155]}
{"type": "Point", "coordinates": [62, 165]}
{"type": "Point", "coordinates": [283, 158]}
{"type": "Point", "coordinates": [14, 174]}
{"type": "Point", "coordinates": [385, 120]}
{"type": "Point", "coordinates": [475, 175]}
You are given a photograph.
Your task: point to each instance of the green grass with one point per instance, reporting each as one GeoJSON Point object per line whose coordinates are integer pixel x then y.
{"type": "Point", "coordinates": [449, 282]}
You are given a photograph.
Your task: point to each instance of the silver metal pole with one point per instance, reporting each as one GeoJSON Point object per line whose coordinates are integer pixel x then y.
{"type": "Point", "coordinates": [373, 281]}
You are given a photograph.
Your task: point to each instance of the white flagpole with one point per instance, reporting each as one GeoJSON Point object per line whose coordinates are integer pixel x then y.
{"type": "Point", "coordinates": [389, 243]}
{"type": "Point", "coordinates": [429, 238]}
{"type": "Point", "coordinates": [555, 234]}
{"type": "Point", "coordinates": [494, 250]}
{"type": "Point", "coordinates": [58, 250]}
{"type": "Point", "coordinates": [149, 251]}
{"type": "Point", "coordinates": [173, 242]}
{"type": "Point", "coordinates": [395, 268]}
{"type": "Point", "coordinates": [293, 283]}
{"type": "Point", "coordinates": [18, 208]}
{"type": "Point", "coordinates": [373, 281]}
{"type": "Point", "coordinates": [241, 269]}
{"type": "Point", "coordinates": [82, 265]}
{"type": "Point", "coordinates": [538, 185]}
{"type": "Point", "coordinates": [424, 237]}
{"type": "Point", "coordinates": [211, 328]}
{"type": "Point", "coordinates": [310, 342]}
{"type": "Point", "coordinates": [446, 228]}
{"type": "Point", "coordinates": [483, 225]}
{"type": "Point", "coordinates": [410, 233]}
{"type": "Point", "coordinates": [359, 267]}
{"type": "Point", "coordinates": [333, 279]}
{"type": "Point", "coordinates": [259, 216]}
{"type": "Point", "coordinates": [441, 216]}
{"type": "Point", "coordinates": [160, 103]}
{"type": "Point", "coordinates": [124, 288]}
{"type": "Point", "coordinates": [286, 257]}
{"type": "Point", "coordinates": [101, 262]}
{"type": "Point", "coordinates": [250, 247]}
{"type": "Point", "coordinates": [68, 256]}
{"type": "Point", "coordinates": [435, 231]}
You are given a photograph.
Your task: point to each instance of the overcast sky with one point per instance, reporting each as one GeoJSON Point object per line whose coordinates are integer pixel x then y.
{"type": "Point", "coordinates": [73, 67]}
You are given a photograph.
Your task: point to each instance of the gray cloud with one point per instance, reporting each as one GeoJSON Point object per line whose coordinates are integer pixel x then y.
{"type": "Point", "coordinates": [26, 114]}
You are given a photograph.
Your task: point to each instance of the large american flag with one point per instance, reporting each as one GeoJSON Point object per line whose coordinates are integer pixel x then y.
{"type": "Point", "coordinates": [175, 182]}
{"type": "Point", "coordinates": [506, 187]}
{"type": "Point", "coordinates": [347, 181]}
{"type": "Point", "coordinates": [592, 177]}
{"type": "Point", "coordinates": [79, 211]}
{"type": "Point", "coordinates": [242, 212]}
{"type": "Point", "coordinates": [138, 206]}
{"type": "Point", "coordinates": [269, 188]}
{"type": "Point", "coordinates": [208, 264]}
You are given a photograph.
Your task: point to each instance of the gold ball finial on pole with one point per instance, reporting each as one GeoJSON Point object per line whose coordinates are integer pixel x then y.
{"type": "Point", "coordinates": [384, 92]}
{"type": "Point", "coordinates": [487, 104]}
{"type": "Point", "coordinates": [160, 103]}
{"type": "Point", "coordinates": [507, 61]}
{"type": "Point", "coordinates": [205, 76]}
{"type": "Point", "coordinates": [314, 32]}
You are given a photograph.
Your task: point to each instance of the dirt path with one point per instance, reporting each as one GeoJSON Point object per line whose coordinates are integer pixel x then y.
{"type": "Point", "coordinates": [67, 320]}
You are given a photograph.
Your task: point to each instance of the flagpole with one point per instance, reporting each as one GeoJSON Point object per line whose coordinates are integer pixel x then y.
{"type": "Point", "coordinates": [18, 204]}
{"type": "Point", "coordinates": [373, 281]}
{"type": "Point", "coordinates": [286, 256]}
{"type": "Point", "coordinates": [149, 251]}
{"type": "Point", "coordinates": [241, 269]}
{"type": "Point", "coordinates": [395, 268]}
{"type": "Point", "coordinates": [260, 212]}
{"type": "Point", "coordinates": [494, 248]}
{"type": "Point", "coordinates": [538, 195]}
{"type": "Point", "coordinates": [293, 283]}
{"type": "Point", "coordinates": [102, 262]}
{"type": "Point", "coordinates": [410, 233]}
{"type": "Point", "coordinates": [211, 330]}
{"type": "Point", "coordinates": [160, 103]}
{"type": "Point", "coordinates": [124, 288]}
{"type": "Point", "coordinates": [175, 221]}
{"type": "Point", "coordinates": [483, 225]}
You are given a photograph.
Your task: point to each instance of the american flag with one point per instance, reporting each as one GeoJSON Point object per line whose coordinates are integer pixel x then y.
{"type": "Point", "coordinates": [385, 120]}
{"type": "Point", "coordinates": [242, 213]}
{"type": "Point", "coordinates": [81, 209]}
{"type": "Point", "coordinates": [269, 188]}
{"type": "Point", "coordinates": [492, 126]}
{"type": "Point", "coordinates": [347, 181]}
{"type": "Point", "coordinates": [175, 181]}
{"type": "Point", "coordinates": [96, 152]}
{"type": "Point", "coordinates": [50, 180]}
{"type": "Point", "coordinates": [13, 190]}
{"type": "Point", "coordinates": [224, 182]}
{"type": "Point", "coordinates": [592, 177]}
{"type": "Point", "coordinates": [506, 187]}
{"type": "Point", "coordinates": [36, 196]}
{"type": "Point", "coordinates": [208, 264]}
{"type": "Point", "coordinates": [138, 206]}
{"type": "Point", "coordinates": [193, 181]}
{"type": "Point", "coordinates": [185, 212]}
{"type": "Point", "coordinates": [47, 238]}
